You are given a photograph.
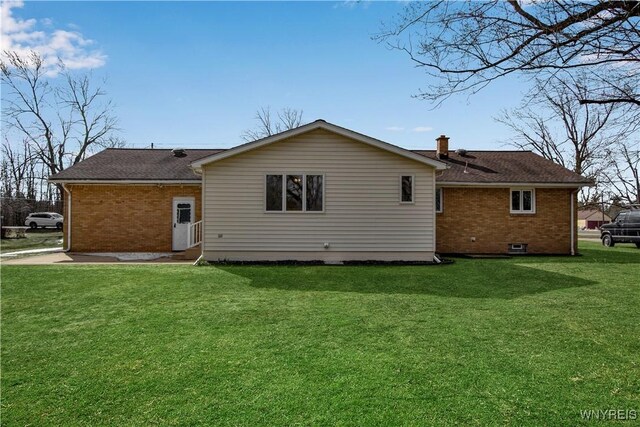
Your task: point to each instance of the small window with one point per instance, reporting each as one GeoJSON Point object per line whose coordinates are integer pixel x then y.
{"type": "Point", "coordinates": [523, 201]}
{"type": "Point", "coordinates": [406, 189]}
{"type": "Point", "coordinates": [622, 216]}
{"type": "Point", "coordinates": [274, 193]}
{"type": "Point", "coordinates": [184, 213]}
{"type": "Point", "coordinates": [439, 200]}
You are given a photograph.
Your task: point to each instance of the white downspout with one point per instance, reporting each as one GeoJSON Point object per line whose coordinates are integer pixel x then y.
{"type": "Point", "coordinates": [68, 248]}
{"type": "Point", "coordinates": [573, 225]}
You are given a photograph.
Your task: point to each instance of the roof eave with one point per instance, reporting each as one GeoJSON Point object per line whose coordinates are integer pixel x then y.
{"type": "Point", "coordinates": [515, 184]}
{"type": "Point", "coordinates": [125, 181]}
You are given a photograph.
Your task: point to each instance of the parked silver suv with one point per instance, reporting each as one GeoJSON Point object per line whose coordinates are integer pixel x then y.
{"type": "Point", "coordinates": [44, 219]}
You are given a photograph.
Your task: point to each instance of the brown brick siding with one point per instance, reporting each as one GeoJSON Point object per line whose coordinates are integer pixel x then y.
{"type": "Point", "coordinates": [484, 213]}
{"type": "Point", "coordinates": [125, 218]}
{"type": "Point", "coordinates": [136, 218]}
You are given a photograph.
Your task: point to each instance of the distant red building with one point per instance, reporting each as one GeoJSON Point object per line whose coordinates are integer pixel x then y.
{"type": "Point", "coordinates": [592, 219]}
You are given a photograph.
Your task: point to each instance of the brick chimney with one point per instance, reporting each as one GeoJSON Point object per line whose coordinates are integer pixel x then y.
{"type": "Point", "coordinates": [442, 147]}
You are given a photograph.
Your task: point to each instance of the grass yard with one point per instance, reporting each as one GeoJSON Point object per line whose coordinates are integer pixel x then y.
{"type": "Point", "coordinates": [36, 239]}
{"type": "Point", "coordinates": [521, 341]}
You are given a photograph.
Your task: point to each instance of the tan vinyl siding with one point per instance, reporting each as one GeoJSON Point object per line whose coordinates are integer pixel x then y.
{"type": "Point", "coordinates": [362, 210]}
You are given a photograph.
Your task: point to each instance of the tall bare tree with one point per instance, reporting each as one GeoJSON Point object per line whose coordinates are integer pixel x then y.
{"type": "Point", "coordinates": [18, 169]}
{"type": "Point", "coordinates": [557, 127]}
{"type": "Point", "coordinates": [464, 46]}
{"type": "Point", "coordinates": [268, 124]}
{"type": "Point", "coordinates": [579, 137]}
{"type": "Point", "coordinates": [623, 174]}
{"type": "Point", "coordinates": [63, 119]}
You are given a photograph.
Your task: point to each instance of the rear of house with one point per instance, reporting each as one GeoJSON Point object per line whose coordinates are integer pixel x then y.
{"type": "Point", "coordinates": [320, 192]}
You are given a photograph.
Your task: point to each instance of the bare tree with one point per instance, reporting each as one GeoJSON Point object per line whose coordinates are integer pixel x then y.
{"type": "Point", "coordinates": [23, 189]}
{"type": "Point", "coordinates": [6, 179]}
{"type": "Point", "coordinates": [557, 127]}
{"type": "Point", "coordinates": [18, 169]}
{"type": "Point", "coordinates": [579, 137]}
{"type": "Point", "coordinates": [267, 125]}
{"type": "Point", "coordinates": [62, 121]}
{"type": "Point", "coordinates": [464, 46]}
{"type": "Point", "coordinates": [623, 174]}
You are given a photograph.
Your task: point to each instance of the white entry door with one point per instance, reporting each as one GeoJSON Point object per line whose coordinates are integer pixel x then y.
{"type": "Point", "coordinates": [183, 216]}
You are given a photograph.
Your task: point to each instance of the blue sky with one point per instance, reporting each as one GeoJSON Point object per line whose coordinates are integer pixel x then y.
{"type": "Point", "coordinates": [193, 74]}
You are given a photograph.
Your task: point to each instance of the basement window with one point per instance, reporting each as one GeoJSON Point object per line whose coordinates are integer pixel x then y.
{"type": "Point", "coordinates": [517, 248]}
{"type": "Point", "coordinates": [523, 201]}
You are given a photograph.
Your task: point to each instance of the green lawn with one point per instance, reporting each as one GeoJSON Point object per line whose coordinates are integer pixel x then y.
{"type": "Point", "coordinates": [521, 341]}
{"type": "Point", "coordinates": [36, 239]}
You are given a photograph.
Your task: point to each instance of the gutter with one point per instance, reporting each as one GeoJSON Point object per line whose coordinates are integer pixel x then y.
{"type": "Point", "coordinates": [573, 224]}
{"type": "Point", "coordinates": [64, 187]}
{"type": "Point", "coordinates": [125, 181]}
{"type": "Point", "coordinates": [513, 184]}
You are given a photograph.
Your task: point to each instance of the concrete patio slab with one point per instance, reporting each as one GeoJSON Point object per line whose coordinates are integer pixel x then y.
{"type": "Point", "coordinates": [30, 251]}
{"type": "Point", "coordinates": [84, 259]}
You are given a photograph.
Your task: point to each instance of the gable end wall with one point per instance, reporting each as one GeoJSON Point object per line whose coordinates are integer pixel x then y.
{"type": "Point", "coordinates": [363, 218]}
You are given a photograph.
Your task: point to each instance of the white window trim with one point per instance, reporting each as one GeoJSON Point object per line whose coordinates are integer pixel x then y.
{"type": "Point", "coordinates": [284, 193]}
{"type": "Point", "coordinates": [520, 211]}
{"type": "Point", "coordinates": [192, 213]}
{"type": "Point", "coordinates": [439, 189]}
{"type": "Point", "coordinates": [413, 189]}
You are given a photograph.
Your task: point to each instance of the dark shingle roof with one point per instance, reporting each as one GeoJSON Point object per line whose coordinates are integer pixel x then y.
{"type": "Point", "coordinates": [475, 167]}
{"type": "Point", "coordinates": [119, 164]}
{"type": "Point", "coordinates": [503, 166]}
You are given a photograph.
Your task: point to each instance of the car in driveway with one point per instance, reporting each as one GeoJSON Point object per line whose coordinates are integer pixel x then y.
{"type": "Point", "coordinates": [44, 219]}
{"type": "Point", "coordinates": [625, 228]}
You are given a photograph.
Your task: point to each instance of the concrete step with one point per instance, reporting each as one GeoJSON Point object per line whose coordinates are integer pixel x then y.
{"type": "Point", "coordinates": [190, 254]}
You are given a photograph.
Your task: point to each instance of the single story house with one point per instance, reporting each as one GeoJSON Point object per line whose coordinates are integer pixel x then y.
{"type": "Point", "coordinates": [592, 219]}
{"type": "Point", "coordinates": [320, 192]}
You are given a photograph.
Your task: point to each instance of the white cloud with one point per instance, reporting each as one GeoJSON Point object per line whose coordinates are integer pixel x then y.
{"type": "Point", "coordinates": [422, 129]}
{"type": "Point", "coordinates": [23, 36]}
{"type": "Point", "coordinates": [395, 128]}
{"type": "Point", "coordinates": [11, 25]}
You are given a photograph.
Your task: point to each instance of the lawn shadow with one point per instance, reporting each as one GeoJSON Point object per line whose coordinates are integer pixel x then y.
{"type": "Point", "coordinates": [465, 279]}
{"type": "Point", "coordinates": [621, 254]}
